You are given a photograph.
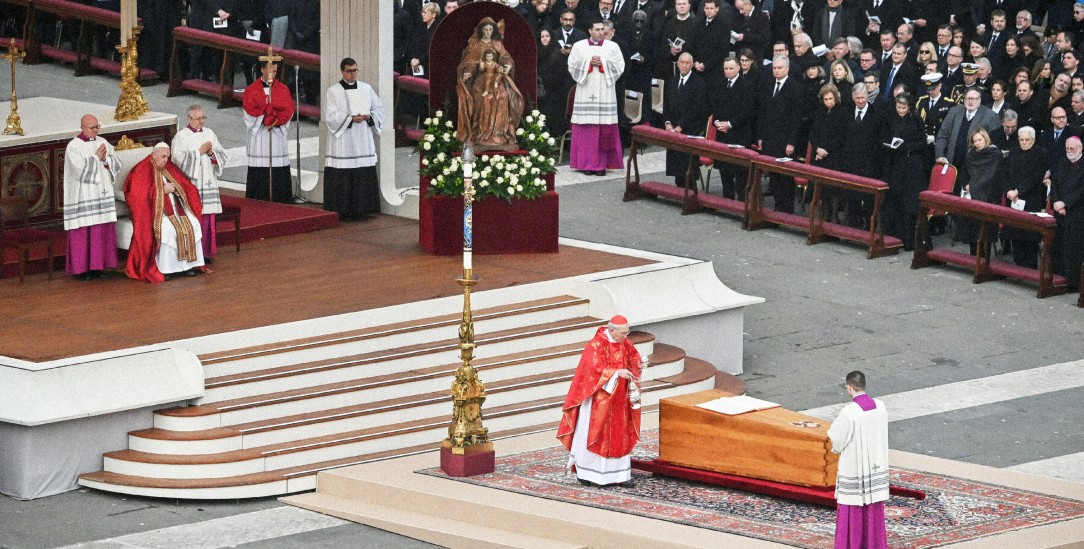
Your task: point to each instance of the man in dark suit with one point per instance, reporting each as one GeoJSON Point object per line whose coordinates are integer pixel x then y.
{"type": "Point", "coordinates": [1030, 105]}
{"type": "Point", "coordinates": [898, 71]}
{"type": "Point", "coordinates": [1023, 26]}
{"type": "Point", "coordinates": [568, 33]}
{"type": "Point", "coordinates": [1053, 138]}
{"type": "Point", "coordinates": [579, 8]}
{"type": "Point", "coordinates": [781, 113]}
{"type": "Point", "coordinates": [1076, 111]}
{"type": "Point", "coordinates": [953, 69]}
{"type": "Point", "coordinates": [734, 117]}
{"type": "Point", "coordinates": [996, 37]}
{"type": "Point", "coordinates": [684, 112]}
{"type": "Point", "coordinates": [752, 28]}
{"type": "Point", "coordinates": [890, 13]}
{"type": "Point", "coordinates": [861, 149]}
{"type": "Point", "coordinates": [711, 46]}
{"type": "Point", "coordinates": [831, 22]}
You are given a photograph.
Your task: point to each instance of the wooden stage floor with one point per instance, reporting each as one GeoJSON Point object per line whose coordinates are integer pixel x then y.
{"type": "Point", "coordinates": [353, 267]}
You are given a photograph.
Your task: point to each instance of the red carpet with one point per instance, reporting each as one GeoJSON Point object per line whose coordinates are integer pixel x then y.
{"type": "Point", "coordinates": [954, 510]}
{"type": "Point", "coordinates": [258, 220]}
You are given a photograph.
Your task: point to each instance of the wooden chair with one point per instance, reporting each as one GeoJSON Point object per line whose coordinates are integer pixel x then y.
{"type": "Point", "coordinates": [232, 213]}
{"type": "Point", "coordinates": [705, 162]}
{"type": "Point", "coordinates": [634, 106]}
{"type": "Point", "coordinates": [15, 232]}
{"type": "Point", "coordinates": [568, 115]}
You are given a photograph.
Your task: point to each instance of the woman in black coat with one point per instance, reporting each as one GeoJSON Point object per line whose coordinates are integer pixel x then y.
{"type": "Point", "coordinates": [826, 135]}
{"type": "Point", "coordinates": [979, 182]}
{"type": "Point", "coordinates": [904, 137]}
{"type": "Point", "coordinates": [1021, 179]}
{"type": "Point", "coordinates": [554, 83]}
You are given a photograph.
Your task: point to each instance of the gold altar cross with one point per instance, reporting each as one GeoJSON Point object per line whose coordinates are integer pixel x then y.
{"type": "Point", "coordinates": [270, 57]}
{"type": "Point", "coordinates": [14, 124]}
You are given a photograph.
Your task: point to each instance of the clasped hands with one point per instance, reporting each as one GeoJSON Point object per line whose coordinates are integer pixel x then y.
{"type": "Point", "coordinates": [169, 187]}
{"type": "Point", "coordinates": [625, 373]}
{"type": "Point", "coordinates": [100, 153]}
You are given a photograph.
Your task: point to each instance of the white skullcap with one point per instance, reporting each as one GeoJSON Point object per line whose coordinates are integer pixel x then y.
{"type": "Point", "coordinates": [161, 145]}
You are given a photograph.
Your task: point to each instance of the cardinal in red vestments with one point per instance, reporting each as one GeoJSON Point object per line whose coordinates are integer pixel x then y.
{"type": "Point", "coordinates": [601, 423]}
{"type": "Point", "coordinates": [161, 198]}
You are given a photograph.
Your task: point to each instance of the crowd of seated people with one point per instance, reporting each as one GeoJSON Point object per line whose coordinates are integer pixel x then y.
{"type": "Point", "coordinates": [891, 89]}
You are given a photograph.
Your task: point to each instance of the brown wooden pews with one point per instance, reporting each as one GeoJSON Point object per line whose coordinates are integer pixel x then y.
{"type": "Point", "coordinates": [990, 216]}
{"type": "Point", "coordinates": [183, 37]}
{"type": "Point", "coordinates": [87, 16]}
{"type": "Point", "coordinates": [754, 214]}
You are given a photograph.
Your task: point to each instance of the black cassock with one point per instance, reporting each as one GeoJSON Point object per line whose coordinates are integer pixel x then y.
{"type": "Point", "coordinates": [1067, 185]}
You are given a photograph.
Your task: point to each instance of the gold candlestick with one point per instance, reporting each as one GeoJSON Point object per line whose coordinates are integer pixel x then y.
{"type": "Point", "coordinates": [15, 124]}
{"type": "Point", "coordinates": [466, 434]}
{"type": "Point", "coordinates": [131, 104]}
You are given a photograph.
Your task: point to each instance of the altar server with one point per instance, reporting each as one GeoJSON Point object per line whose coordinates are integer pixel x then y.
{"type": "Point", "coordinates": [860, 436]}
{"type": "Point", "coordinates": [352, 112]}
{"type": "Point", "coordinates": [601, 415]}
{"type": "Point", "coordinates": [198, 153]}
{"type": "Point", "coordinates": [595, 65]}
{"type": "Point", "coordinates": [90, 211]}
{"type": "Point", "coordinates": [268, 109]}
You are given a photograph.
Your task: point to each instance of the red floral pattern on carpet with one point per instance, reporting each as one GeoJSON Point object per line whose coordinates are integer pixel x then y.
{"type": "Point", "coordinates": [954, 510]}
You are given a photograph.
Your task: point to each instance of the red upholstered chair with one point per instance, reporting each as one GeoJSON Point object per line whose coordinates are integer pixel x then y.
{"type": "Point", "coordinates": [568, 116]}
{"type": "Point", "coordinates": [705, 162]}
{"type": "Point", "coordinates": [943, 180]}
{"type": "Point", "coordinates": [15, 233]}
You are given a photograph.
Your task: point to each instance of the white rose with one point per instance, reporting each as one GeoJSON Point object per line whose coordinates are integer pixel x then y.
{"type": "Point", "coordinates": [485, 158]}
{"type": "Point", "coordinates": [519, 131]}
{"type": "Point", "coordinates": [427, 145]}
{"type": "Point", "coordinates": [430, 137]}
{"type": "Point", "coordinates": [439, 114]}
{"type": "Point", "coordinates": [449, 124]}
{"type": "Point", "coordinates": [530, 119]}
{"type": "Point", "coordinates": [483, 183]}
{"type": "Point", "coordinates": [519, 188]}
{"type": "Point", "coordinates": [440, 157]}
{"type": "Point", "coordinates": [541, 118]}
{"type": "Point", "coordinates": [428, 121]}
{"type": "Point", "coordinates": [545, 135]}
{"type": "Point", "coordinates": [425, 161]}
{"type": "Point", "coordinates": [447, 138]}
{"type": "Point", "coordinates": [535, 113]}
{"type": "Point", "coordinates": [511, 190]}
{"type": "Point", "coordinates": [447, 171]}
{"type": "Point", "coordinates": [534, 152]}
{"type": "Point", "coordinates": [530, 137]}
{"type": "Point", "coordinates": [439, 179]}
{"type": "Point", "coordinates": [550, 141]}
{"type": "Point", "coordinates": [500, 179]}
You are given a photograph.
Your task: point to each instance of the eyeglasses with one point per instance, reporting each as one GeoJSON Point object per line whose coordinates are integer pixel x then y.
{"type": "Point", "coordinates": [925, 51]}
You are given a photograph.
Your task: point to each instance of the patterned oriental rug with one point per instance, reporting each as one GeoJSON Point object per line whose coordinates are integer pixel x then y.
{"type": "Point", "coordinates": [954, 510]}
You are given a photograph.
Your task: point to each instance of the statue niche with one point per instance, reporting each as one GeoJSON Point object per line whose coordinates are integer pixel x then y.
{"type": "Point", "coordinates": [490, 104]}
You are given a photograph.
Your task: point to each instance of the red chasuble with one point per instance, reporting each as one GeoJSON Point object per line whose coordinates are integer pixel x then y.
{"type": "Point", "coordinates": [615, 426]}
{"type": "Point", "coordinates": [281, 109]}
{"type": "Point", "coordinates": [145, 199]}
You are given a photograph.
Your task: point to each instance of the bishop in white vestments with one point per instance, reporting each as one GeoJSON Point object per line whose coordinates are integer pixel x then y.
{"type": "Point", "coordinates": [595, 65]}
{"type": "Point", "coordinates": [198, 153]}
{"type": "Point", "coordinates": [353, 113]}
{"type": "Point", "coordinates": [90, 210]}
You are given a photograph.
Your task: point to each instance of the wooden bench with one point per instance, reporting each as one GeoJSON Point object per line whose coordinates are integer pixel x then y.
{"type": "Point", "coordinates": [183, 37]}
{"type": "Point", "coordinates": [691, 199]}
{"type": "Point", "coordinates": [409, 84]}
{"type": "Point", "coordinates": [819, 230]}
{"type": "Point", "coordinates": [988, 215]}
{"type": "Point", "coordinates": [87, 16]}
{"type": "Point", "coordinates": [752, 210]}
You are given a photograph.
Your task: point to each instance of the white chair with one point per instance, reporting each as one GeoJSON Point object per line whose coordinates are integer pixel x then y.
{"type": "Point", "coordinates": [658, 91]}
{"type": "Point", "coordinates": [634, 106]}
{"type": "Point", "coordinates": [128, 159]}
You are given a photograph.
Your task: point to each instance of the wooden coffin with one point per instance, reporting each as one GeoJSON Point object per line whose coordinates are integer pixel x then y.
{"type": "Point", "coordinates": [775, 444]}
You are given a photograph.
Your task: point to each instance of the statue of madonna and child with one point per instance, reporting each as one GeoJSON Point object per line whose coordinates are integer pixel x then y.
{"type": "Point", "coordinates": [490, 104]}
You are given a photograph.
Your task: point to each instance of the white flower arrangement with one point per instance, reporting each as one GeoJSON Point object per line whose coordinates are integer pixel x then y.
{"type": "Point", "coordinates": [509, 176]}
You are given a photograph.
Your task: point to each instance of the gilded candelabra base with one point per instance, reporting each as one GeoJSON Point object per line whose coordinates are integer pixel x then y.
{"type": "Point", "coordinates": [467, 436]}
{"type": "Point", "coordinates": [15, 124]}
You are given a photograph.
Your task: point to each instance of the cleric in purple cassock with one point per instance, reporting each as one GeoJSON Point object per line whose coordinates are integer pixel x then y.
{"type": "Point", "coordinates": [90, 210]}
{"type": "Point", "coordinates": [595, 64]}
{"type": "Point", "coordinates": [860, 436]}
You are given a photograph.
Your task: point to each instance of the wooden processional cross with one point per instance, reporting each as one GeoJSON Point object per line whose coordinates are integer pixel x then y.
{"type": "Point", "coordinates": [270, 59]}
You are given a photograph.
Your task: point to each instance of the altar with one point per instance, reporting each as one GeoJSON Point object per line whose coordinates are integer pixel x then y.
{"type": "Point", "coordinates": [32, 165]}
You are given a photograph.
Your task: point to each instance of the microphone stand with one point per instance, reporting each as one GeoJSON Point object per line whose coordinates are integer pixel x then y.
{"type": "Point", "coordinates": [298, 199]}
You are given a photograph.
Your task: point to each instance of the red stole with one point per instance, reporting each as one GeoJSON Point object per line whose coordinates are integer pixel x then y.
{"type": "Point", "coordinates": [148, 210]}
{"type": "Point", "coordinates": [615, 426]}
